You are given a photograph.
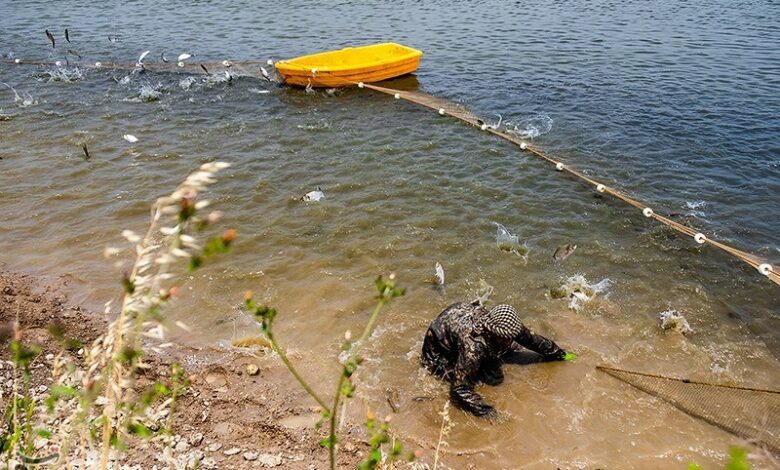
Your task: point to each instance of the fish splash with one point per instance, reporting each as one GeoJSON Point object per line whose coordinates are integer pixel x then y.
{"type": "Point", "coordinates": [579, 291]}
{"type": "Point", "coordinates": [530, 127]}
{"type": "Point", "coordinates": [147, 93]}
{"type": "Point", "coordinates": [507, 241]}
{"type": "Point", "coordinates": [674, 320]}
{"type": "Point", "coordinates": [60, 74]}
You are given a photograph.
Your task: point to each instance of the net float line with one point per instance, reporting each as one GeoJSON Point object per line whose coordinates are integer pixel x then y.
{"type": "Point", "coordinates": [447, 108]}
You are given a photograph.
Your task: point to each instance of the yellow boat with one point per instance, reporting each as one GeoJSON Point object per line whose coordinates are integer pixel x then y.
{"type": "Point", "coordinates": [350, 66]}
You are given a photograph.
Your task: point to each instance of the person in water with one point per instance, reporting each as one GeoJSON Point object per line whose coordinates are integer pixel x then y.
{"type": "Point", "coordinates": [466, 345]}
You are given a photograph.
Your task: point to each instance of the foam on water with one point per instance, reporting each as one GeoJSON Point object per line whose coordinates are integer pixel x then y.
{"type": "Point", "coordinates": [60, 74]}
{"type": "Point", "coordinates": [530, 127]}
{"type": "Point", "coordinates": [579, 291]}
{"type": "Point", "coordinates": [148, 93]}
{"type": "Point", "coordinates": [674, 320]}
{"type": "Point", "coordinates": [507, 241]}
{"type": "Point", "coordinates": [187, 82]}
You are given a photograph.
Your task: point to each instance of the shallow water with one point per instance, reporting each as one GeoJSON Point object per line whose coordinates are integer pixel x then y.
{"type": "Point", "coordinates": [675, 103]}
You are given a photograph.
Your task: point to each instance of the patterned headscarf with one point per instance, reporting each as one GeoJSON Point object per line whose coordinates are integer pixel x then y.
{"type": "Point", "coordinates": [503, 321]}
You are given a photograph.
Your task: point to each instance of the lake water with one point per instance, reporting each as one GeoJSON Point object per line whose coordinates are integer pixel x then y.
{"type": "Point", "coordinates": [675, 103]}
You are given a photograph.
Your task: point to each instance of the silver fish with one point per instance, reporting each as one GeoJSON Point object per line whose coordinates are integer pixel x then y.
{"type": "Point", "coordinates": [564, 252]}
{"type": "Point", "coordinates": [440, 274]}
{"type": "Point", "coordinates": [315, 195]}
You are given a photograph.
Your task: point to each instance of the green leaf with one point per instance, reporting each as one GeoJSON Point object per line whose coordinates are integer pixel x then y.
{"type": "Point", "coordinates": [328, 442]}
{"type": "Point", "coordinates": [738, 460]}
{"type": "Point", "coordinates": [570, 356]}
{"type": "Point", "coordinates": [128, 285]}
{"type": "Point", "coordinates": [139, 430]}
{"type": "Point", "coordinates": [44, 433]}
{"type": "Point", "coordinates": [195, 262]}
{"type": "Point", "coordinates": [129, 355]}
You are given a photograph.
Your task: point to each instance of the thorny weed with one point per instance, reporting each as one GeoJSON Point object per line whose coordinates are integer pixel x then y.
{"type": "Point", "coordinates": [99, 402]}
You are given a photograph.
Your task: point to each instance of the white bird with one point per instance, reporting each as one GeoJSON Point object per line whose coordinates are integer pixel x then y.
{"type": "Point", "coordinates": [440, 273]}
{"type": "Point", "coordinates": [183, 57]}
{"type": "Point", "coordinates": [227, 63]}
{"type": "Point", "coordinates": [315, 195]}
{"type": "Point", "coordinates": [265, 73]}
{"type": "Point", "coordinates": [130, 138]}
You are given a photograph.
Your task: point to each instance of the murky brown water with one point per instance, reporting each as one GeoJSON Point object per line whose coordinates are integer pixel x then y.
{"type": "Point", "coordinates": [406, 189]}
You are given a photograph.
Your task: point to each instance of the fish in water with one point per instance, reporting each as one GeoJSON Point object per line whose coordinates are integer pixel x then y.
{"type": "Point", "coordinates": [86, 151]}
{"type": "Point", "coordinates": [315, 195]}
{"type": "Point", "coordinates": [72, 52]}
{"type": "Point", "coordinates": [440, 274]}
{"type": "Point", "coordinates": [265, 73]}
{"type": "Point", "coordinates": [205, 69]}
{"type": "Point", "coordinates": [141, 58]}
{"type": "Point", "coordinates": [113, 39]}
{"type": "Point", "coordinates": [393, 398]}
{"type": "Point", "coordinates": [564, 252]}
{"type": "Point", "coordinates": [163, 58]}
{"type": "Point", "coordinates": [51, 38]}
{"type": "Point", "coordinates": [67, 37]}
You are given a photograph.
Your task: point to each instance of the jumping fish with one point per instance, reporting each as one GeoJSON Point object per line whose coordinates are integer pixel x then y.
{"type": "Point", "coordinates": [315, 195]}
{"type": "Point", "coordinates": [86, 151]}
{"type": "Point", "coordinates": [440, 274]}
{"type": "Point", "coordinates": [67, 37]}
{"type": "Point", "coordinates": [140, 62]}
{"type": "Point", "coordinates": [163, 58]}
{"type": "Point", "coordinates": [564, 252]}
{"type": "Point", "coordinates": [265, 73]}
{"type": "Point", "coordinates": [51, 38]}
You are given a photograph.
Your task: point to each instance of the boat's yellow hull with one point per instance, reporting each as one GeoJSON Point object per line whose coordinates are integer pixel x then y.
{"type": "Point", "coordinates": [350, 66]}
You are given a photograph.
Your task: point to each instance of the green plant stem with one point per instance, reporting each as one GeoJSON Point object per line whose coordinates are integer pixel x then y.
{"type": "Point", "coordinates": [295, 373]}
{"type": "Point", "coordinates": [344, 373]}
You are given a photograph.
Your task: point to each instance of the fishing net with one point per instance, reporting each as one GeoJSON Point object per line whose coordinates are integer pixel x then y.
{"type": "Point", "coordinates": [750, 413]}
{"type": "Point", "coordinates": [442, 105]}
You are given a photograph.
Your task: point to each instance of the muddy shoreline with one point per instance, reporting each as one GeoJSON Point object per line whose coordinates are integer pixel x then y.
{"type": "Point", "coordinates": [241, 411]}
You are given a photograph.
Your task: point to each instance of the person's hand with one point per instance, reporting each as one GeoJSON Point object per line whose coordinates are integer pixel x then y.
{"type": "Point", "coordinates": [488, 412]}
{"type": "Point", "coordinates": [559, 355]}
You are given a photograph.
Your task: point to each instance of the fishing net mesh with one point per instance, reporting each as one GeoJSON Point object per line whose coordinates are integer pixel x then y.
{"type": "Point", "coordinates": [749, 413]}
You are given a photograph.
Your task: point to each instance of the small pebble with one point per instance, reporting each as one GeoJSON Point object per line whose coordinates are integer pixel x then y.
{"type": "Point", "coordinates": [214, 446]}
{"type": "Point", "coordinates": [250, 456]}
{"type": "Point", "coordinates": [252, 369]}
{"type": "Point", "coordinates": [232, 451]}
{"type": "Point", "coordinates": [196, 439]}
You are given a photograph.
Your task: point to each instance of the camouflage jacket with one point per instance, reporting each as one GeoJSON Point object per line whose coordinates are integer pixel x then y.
{"type": "Point", "coordinates": [459, 350]}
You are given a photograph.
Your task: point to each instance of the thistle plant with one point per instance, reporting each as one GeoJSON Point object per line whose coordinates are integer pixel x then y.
{"type": "Point", "coordinates": [345, 387]}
